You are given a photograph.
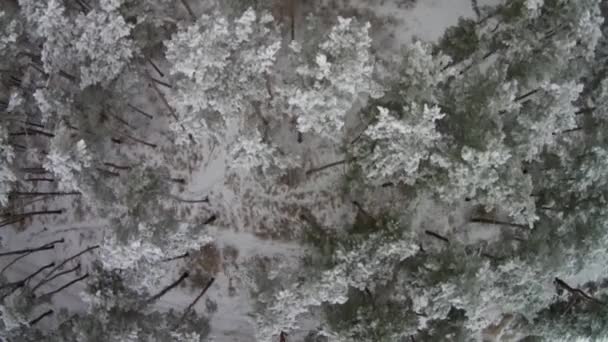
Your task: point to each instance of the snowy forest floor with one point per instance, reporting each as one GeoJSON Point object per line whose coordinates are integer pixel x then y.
{"type": "Point", "coordinates": [245, 237]}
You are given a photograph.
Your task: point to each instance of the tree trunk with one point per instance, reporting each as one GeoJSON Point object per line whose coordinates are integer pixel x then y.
{"type": "Point", "coordinates": [210, 219]}
{"type": "Point", "coordinates": [482, 220]}
{"type": "Point", "coordinates": [183, 200]}
{"type": "Point", "coordinates": [24, 255]}
{"type": "Point", "coordinates": [139, 140]}
{"type": "Point", "coordinates": [39, 179]}
{"type": "Point", "coordinates": [50, 294]}
{"type": "Point", "coordinates": [42, 193]}
{"type": "Point", "coordinates": [137, 110]}
{"type": "Point", "coordinates": [168, 288]}
{"type": "Point", "coordinates": [437, 236]}
{"type": "Point", "coordinates": [327, 166]}
{"type": "Point", "coordinates": [164, 84]}
{"type": "Point", "coordinates": [156, 67]}
{"type": "Point", "coordinates": [88, 249]}
{"type": "Point", "coordinates": [118, 167]}
{"type": "Point", "coordinates": [526, 95]}
{"type": "Point", "coordinates": [195, 301]}
{"type": "Point", "coordinates": [36, 169]}
{"type": "Point", "coordinates": [23, 281]}
{"type": "Point", "coordinates": [40, 283]}
{"type": "Point", "coordinates": [181, 256]}
{"type": "Point", "coordinates": [32, 131]}
{"type": "Point", "coordinates": [44, 247]}
{"type": "Point", "coordinates": [108, 172]}
{"type": "Point", "coordinates": [37, 319]}
{"type": "Point", "coordinates": [188, 9]}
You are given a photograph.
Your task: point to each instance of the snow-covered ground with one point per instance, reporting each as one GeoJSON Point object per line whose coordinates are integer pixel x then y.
{"type": "Point", "coordinates": [426, 20]}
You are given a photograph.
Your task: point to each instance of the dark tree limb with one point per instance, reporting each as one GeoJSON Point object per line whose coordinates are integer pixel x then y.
{"type": "Point", "coordinates": [41, 179]}
{"type": "Point", "coordinates": [21, 283]}
{"type": "Point", "coordinates": [118, 167]}
{"type": "Point", "coordinates": [183, 200]}
{"type": "Point", "coordinates": [21, 257]}
{"type": "Point", "coordinates": [575, 291]}
{"type": "Point", "coordinates": [55, 277]}
{"type": "Point", "coordinates": [526, 95]}
{"type": "Point", "coordinates": [327, 166]}
{"type": "Point", "coordinates": [46, 246]}
{"type": "Point", "coordinates": [163, 83]}
{"type": "Point", "coordinates": [502, 223]}
{"type": "Point", "coordinates": [50, 294]}
{"type": "Point", "coordinates": [37, 319]}
{"type": "Point", "coordinates": [88, 249]}
{"type": "Point", "coordinates": [437, 236]}
{"type": "Point", "coordinates": [181, 256]}
{"type": "Point", "coordinates": [210, 219]}
{"type": "Point", "coordinates": [32, 131]}
{"type": "Point", "coordinates": [200, 295]}
{"type": "Point", "coordinates": [43, 193]}
{"type": "Point", "coordinates": [168, 288]}
{"type": "Point", "coordinates": [160, 73]}
{"type": "Point", "coordinates": [137, 110]}
{"type": "Point", "coordinates": [188, 9]}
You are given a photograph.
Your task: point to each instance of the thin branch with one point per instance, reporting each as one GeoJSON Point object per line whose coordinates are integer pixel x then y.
{"type": "Point", "coordinates": [502, 223]}
{"type": "Point", "coordinates": [42, 179]}
{"type": "Point", "coordinates": [23, 281]}
{"type": "Point", "coordinates": [181, 256]}
{"type": "Point", "coordinates": [194, 302]}
{"type": "Point", "coordinates": [19, 258]}
{"type": "Point", "coordinates": [168, 288]}
{"type": "Point", "coordinates": [44, 247]}
{"type": "Point", "coordinates": [155, 67]}
{"type": "Point", "coordinates": [327, 166]}
{"type": "Point", "coordinates": [137, 110]}
{"type": "Point", "coordinates": [42, 193]}
{"type": "Point", "coordinates": [50, 294]}
{"type": "Point", "coordinates": [188, 9]}
{"type": "Point", "coordinates": [183, 200]}
{"type": "Point", "coordinates": [37, 319]}
{"type": "Point", "coordinates": [576, 291]}
{"type": "Point", "coordinates": [163, 83]}
{"type": "Point", "coordinates": [438, 236]}
{"type": "Point", "coordinates": [210, 219]}
{"type": "Point", "coordinates": [88, 249]}
{"type": "Point", "coordinates": [55, 277]}
{"type": "Point", "coordinates": [118, 167]}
